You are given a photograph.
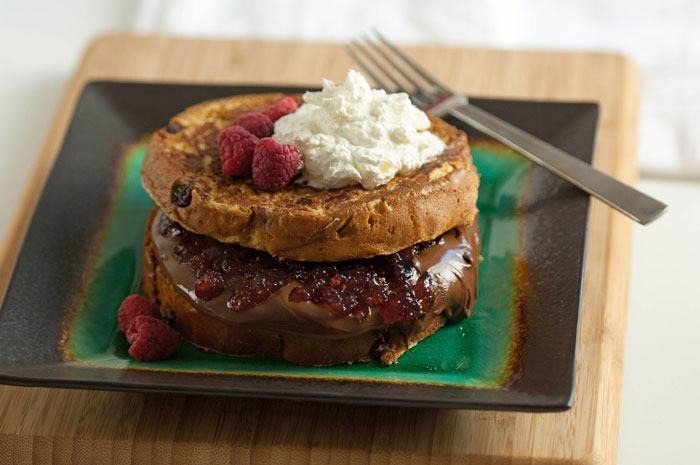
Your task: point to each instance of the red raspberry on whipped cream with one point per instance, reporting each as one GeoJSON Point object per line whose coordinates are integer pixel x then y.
{"type": "Point", "coordinates": [282, 108]}
{"type": "Point", "coordinates": [274, 164]}
{"type": "Point", "coordinates": [257, 123]}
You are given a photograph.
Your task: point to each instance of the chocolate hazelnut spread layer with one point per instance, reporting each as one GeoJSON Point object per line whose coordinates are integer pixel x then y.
{"type": "Point", "coordinates": [333, 299]}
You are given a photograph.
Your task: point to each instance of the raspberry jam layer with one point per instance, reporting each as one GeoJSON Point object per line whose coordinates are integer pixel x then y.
{"type": "Point", "coordinates": [249, 287]}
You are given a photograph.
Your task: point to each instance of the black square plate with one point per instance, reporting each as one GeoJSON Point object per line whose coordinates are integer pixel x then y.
{"type": "Point", "coordinates": [82, 251]}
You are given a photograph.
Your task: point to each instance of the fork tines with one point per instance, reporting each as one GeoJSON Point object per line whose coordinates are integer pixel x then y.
{"type": "Point", "coordinates": [378, 57]}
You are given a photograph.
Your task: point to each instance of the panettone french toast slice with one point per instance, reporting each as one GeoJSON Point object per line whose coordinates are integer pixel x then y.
{"type": "Point", "coordinates": [182, 173]}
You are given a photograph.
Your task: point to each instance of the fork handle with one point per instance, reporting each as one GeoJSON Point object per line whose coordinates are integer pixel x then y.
{"type": "Point", "coordinates": [628, 200]}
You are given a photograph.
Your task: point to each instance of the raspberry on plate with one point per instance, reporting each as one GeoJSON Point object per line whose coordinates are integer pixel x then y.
{"type": "Point", "coordinates": [282, 108]}
{"type": "Point", "coordinates": [236, 147]}
{"type": "Point", "coordinates": [274, 164]}
{"type": "Point", "coordinates": [133, 306]}
{"type": "Point", "coordinates": [257, 123]}
{"type": "Point", "coordinates": [151, 339]}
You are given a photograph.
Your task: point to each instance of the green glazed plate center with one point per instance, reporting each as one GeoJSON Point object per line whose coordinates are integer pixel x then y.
{"type": "Point", "coordinates": [478, 352]}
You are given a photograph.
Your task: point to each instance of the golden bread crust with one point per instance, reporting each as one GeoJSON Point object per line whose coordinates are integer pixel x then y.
{"type": "Point", "coordinates": [300, 222]}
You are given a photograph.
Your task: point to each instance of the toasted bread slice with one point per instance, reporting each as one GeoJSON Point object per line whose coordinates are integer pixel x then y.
{"type": "Point", "coordinates": [182, 174]}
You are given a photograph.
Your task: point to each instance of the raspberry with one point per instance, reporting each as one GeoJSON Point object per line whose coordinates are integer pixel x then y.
{"type": "Point", "coordinates": [133, 306]}
{"type": "Point", "coordinates": [274, 164]}
{"type": "Point", "coordinates": [256, 123]}
{"type": "Point", "coordinates": [151, 339]}
{"type": "Point", "coordinates": [284, 107]}
{"type": "Point", "coordinates": [236, 146]}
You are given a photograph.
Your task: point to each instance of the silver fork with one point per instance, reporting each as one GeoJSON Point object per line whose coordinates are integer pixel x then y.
{"type": "Point", "coordinates": [377, 54]}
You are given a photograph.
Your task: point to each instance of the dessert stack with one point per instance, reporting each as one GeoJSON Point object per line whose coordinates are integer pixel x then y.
{"type": "Point", "coordinates": [335, 227]}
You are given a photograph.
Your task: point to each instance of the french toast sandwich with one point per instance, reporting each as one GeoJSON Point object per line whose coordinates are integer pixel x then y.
{"type": "Point", "coordinates": [313, 276]}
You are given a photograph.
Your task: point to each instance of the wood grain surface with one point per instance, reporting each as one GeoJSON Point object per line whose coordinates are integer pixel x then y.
{"type": "Point", "coordinates": [40, 425]}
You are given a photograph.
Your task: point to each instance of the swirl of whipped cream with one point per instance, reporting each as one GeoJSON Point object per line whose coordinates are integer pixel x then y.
{"type": "Point", "coordinates": [353, 134]}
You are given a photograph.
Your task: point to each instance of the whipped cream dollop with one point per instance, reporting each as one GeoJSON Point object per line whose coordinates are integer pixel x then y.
{"type": "Point", "coordinates": [353, 134]}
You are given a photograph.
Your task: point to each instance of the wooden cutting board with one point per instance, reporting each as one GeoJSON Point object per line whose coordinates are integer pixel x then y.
{"type": "Point", "coordinates": [39, 425]}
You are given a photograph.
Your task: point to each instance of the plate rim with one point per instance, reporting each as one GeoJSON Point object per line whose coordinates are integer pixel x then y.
{"type": "Point", "coordinates": [562, 400]}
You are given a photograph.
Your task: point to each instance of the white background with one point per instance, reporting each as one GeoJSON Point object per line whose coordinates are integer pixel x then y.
{"type": "Point", "coordinates": [41, 41]}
